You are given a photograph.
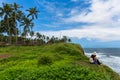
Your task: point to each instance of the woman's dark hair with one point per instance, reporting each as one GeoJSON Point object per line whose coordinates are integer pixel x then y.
{"type": "Point", "coordinates": [93, 56]}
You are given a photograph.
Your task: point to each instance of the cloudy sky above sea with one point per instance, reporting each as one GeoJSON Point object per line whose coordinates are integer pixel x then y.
{"type": "Point", "coordinates": [91, 23]}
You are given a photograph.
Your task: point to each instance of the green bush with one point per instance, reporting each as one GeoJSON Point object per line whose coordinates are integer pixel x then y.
{"type": "Point", "coordinates": [45, 60]}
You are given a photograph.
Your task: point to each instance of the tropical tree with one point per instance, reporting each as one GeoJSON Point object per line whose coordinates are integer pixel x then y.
{"type": "Point", "coordinates": [64, 39]}
{"type": "Point", "coordinates": [52, 39]}
{"type": "Point", "coordinates": [32, 34]}
{"type": "Point", "coordinates": [33, 12]}
{"type": "Point", "coordinates": [28, 25]}
{"type": "Point", "coordinates": [1, 28]}
{"type": "Point", "coordinates": [0, 24]}
{"type": "Point", "coordinates": [16, 18]}
{"type": "Point", "coordinates": [6, 11]}
{"type": "Point", "coordinates": [39, 37]}
{"type": "Point", "coordinates": [1, 14]}
{"type": "Point", "coordinates": [20, 17]}
{"type": "Point", "coordinates": [47, 38]}
{"type": "Point", "coordinates": [11, 17]}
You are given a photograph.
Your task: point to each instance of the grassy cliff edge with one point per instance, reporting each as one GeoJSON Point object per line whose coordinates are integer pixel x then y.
{"type": "Point", "coordinates": [60, 61]}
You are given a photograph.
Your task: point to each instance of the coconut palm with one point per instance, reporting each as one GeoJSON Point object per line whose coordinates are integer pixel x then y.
{"type": "Point", "coordinates": [20, 16]}
{"type": "Point", "coordinates": [11, 17]}
{"type": "Point", "coordinates": [1, 30]}
{"type": "Point", "coordinates": [65, 38]}
{"type": "Point", "coordinates": [1, 26]}
{"type": "Point", "coordinates": [6, 11]}
{"type": "Point", "coordinates": [33, 12]}
{"type": "Point", "coordinates": [28, 25]}
{"type": "Point", "coordinates": [47, 38]}
{"type": "Point", "coordinates": [16, 18]}
{"type": "Point", "coordinates": [39, 37]}
{"type": "Point", "coordinates": [32, 34]}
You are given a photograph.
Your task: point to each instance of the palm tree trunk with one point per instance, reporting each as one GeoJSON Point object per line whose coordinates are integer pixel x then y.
{"type": "Point", "coordinates": [9, 32]}
{"type": "Point", "coordinates": [16, 31]}
{"type": "Point", "coordinates": [1, 31]}
{"type": "Point", "coordinates": [16, 36]}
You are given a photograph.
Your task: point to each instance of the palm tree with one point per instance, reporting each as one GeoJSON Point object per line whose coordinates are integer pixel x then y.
{"type": "Point", "coordinates": [1, 31]}
{"type": "Point", "coordinates": [16, 14]}
{"type": "Point", "coordinates": [43, 39]}
{"type": "Point", "coordinates": [6, 12]}
{"type": "Point", "coordinates": [0, 23]}
{"type": "Point", "coordinates": [28, 25]}
{"type": "Point", "coordinates": [32, 34]}
{"type": "Point", "coordinates": [33, 12]}
{"type": "Point", "coordinates": [13, 17]}
{"type": "Point", "coordinates": [64, 39]}
{"type": "Point", "coordinates": [47, 38]}
{"type": "Point", "coordinates": [23, 38]}
{"type": "Point", "coordinates": [20, 16]}
{"type": "Point", "coordinates": [39, 37]}
{"type": "Point", "coordinates": [1, 27]}
{"type": "Point", "coordinates": [52, 39]}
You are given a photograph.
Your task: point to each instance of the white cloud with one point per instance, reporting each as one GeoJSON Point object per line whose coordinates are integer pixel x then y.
{"type": "Point", "coordinates": [102, 12]}
{"type": "Point", "coordinates": [74, 11]}
{"type": "Point", "coordinates": [59, 14]}
{"type": "Point", "coordinates": [92, 32]}
{"type": "Point", "coordinates": [105, 15]}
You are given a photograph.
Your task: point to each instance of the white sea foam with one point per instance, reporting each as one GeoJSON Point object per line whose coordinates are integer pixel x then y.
{"type": "Point", "coordinates": [112, 61]}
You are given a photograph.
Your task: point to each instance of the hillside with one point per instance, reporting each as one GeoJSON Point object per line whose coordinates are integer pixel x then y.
{"type": "Point", "coordinates": [61, 61]}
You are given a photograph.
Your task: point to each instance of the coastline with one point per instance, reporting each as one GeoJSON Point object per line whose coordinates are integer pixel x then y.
{"type": "Point", "coordinates": [110, 61]}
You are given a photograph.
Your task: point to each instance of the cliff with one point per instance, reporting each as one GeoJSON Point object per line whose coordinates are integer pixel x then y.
{"type": "Point", "coordinates": [60, 61]}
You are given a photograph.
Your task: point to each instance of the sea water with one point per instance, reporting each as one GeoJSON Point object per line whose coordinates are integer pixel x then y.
{"type": "Point", "coordinates": [108, 56]}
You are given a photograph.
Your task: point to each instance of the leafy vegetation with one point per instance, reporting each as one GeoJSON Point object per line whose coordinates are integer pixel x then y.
{"type": "Point", "coordinates": [59, 61]}
{"type": "Point", "coordinates": [13, 20]}
{"type": "Point", "coordinates": [45, 60]}
{"type": "Point", "coordinates": [16, 27]}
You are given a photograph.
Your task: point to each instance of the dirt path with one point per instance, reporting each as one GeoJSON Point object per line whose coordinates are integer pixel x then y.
{"type": "Point", "coordinates": [4, 56]}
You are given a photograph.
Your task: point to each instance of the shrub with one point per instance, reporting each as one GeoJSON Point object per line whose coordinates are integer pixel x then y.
{"type": "Point", "coordinates": [45, 60]}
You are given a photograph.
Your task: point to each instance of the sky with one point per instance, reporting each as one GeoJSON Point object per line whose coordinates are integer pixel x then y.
{"type": "Point", "coordinates": [91, 23]}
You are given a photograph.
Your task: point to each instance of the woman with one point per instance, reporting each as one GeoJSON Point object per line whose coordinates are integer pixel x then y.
{"type": "Point", "coordinates": [93, 59]}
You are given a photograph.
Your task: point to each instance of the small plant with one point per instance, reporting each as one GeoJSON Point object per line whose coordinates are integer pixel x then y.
{"type": "Point", "coordinates": [45, 60]}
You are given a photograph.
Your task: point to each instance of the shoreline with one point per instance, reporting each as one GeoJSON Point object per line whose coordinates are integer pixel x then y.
{"type": "Point", "coordinates": [108, 61]}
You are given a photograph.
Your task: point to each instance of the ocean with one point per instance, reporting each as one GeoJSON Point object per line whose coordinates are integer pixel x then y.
{"type": "Point", "coordinates": [108, 56]}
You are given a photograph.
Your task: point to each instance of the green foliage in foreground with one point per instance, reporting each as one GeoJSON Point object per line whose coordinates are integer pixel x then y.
{"type": "Point", "coordinates": [50, 62]}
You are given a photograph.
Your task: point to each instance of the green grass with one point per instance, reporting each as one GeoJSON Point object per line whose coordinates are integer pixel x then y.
{"type": "Point", "coordinates": [61, 61]}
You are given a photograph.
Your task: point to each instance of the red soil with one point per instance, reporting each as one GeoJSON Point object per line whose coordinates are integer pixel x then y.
{"type": "Point", "coordinates": [4, 56]}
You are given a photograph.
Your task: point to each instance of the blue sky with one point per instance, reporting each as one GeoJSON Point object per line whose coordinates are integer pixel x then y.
{"type": "Point", "coordinates": [91, 23]}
